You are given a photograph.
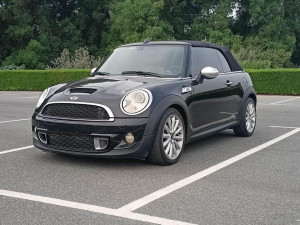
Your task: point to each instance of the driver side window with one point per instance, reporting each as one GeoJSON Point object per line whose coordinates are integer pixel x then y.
{"type": "Point", "coordinates": [203, 57]}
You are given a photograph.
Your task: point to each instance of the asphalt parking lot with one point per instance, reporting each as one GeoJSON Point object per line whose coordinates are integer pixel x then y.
{"type": "Point", "coordinates": [221, 179]}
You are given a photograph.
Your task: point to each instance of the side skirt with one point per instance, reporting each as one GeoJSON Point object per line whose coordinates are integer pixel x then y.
{"type": "Point", "coordinates": [211, 131]}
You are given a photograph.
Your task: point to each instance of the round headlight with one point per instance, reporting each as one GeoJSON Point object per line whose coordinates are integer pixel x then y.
{"type": "Point", "coordinates": [42, 97]}
{"type": "Point", "coordinates": [136, 101]}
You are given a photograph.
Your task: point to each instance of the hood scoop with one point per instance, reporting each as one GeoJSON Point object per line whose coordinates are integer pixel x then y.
{"type": "Point", "coordinates": [80, 91]}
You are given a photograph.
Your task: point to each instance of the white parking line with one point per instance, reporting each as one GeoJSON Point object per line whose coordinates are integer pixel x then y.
{"type": "Point", "coordinates": [91, 208]}
{"type": "Point", "coordinates": [15, 149]}
{"type": "Point", "coordinates": [29, 97]}
{"type": "Point", "coordinates": [184, 182]}
{"type": "Point", "coordinates": [284, 127]}
{"type": "Point", "coordinates": [17, 93]}
{"type": "Point", "coordinates": [8, 94]}
{"type": "Point", "coordinates": [291, 99]}
{"type": "Point", "coordinates": [10, 121]}
{"type": "Point", "coordinates": [269, 104]}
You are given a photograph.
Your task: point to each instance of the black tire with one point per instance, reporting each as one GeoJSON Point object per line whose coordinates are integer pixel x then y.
{"type": "Point", "coordinates": [157, 154]}
{"type": "Point", "coordinates": [241, 129]}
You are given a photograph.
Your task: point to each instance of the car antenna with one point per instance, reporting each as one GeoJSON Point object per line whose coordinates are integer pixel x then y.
{"type": "Point", "coordinates": [146, 41]}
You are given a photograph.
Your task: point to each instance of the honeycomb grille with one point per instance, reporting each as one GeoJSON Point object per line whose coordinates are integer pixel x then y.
{"type": "Point", "coordinates": [66, 142]}
{"type": "Point", "coordinates": [76, 111]}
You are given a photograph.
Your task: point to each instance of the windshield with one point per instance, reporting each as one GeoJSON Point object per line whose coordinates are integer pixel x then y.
{"type": "Point", "coordinates": [165, 60]}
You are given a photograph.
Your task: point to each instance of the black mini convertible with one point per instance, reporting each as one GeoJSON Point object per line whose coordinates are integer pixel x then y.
{"type": "Point", "coordinates": [147, 100]}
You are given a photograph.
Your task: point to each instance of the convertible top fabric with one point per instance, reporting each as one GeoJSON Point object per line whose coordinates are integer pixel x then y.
{"type": "Point", "coordinates": [234, 66]}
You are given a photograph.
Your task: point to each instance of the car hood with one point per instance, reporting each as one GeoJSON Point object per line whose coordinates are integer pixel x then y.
{"type": "Point", "coordinates": [116, 83]}
{"type": "Point", "coordinates": [109, 90]}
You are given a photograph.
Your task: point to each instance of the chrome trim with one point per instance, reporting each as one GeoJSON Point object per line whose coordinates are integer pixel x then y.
{"type": "Point", "coordinates": [232, 72]}
{"type": "Point", "coordinates": [97, 143]}
{"type": "Point", "coordinates": [144, 109]}
{"type": "Point", "coordinates": [74, 98]}
{"type": "Point", "coordinates": [43, 138]}
{"type": "Point", "coordinates": [209, 72]}
{"type": "Point", "coordinates": [110, 114]}
{"type": "Point", "coordinates": [156, 77]}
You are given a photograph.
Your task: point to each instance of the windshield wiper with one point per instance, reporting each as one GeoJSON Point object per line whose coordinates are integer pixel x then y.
{"type": "Point", "coordinates": [101, 73]}
{"type": "Point", "coordinates": [144, 73]}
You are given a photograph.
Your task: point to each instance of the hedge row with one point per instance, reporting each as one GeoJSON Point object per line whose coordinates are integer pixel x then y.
{"type": "Point", "coordinates": [266, 81]}
{"type": "Point", "coordinates": [276, 81]}
{"type": "Point", "coordinates": [37, 80]}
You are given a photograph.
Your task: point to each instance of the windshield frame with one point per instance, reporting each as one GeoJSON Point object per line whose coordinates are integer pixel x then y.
{"type": "Point", "coordinates": [180, 75]}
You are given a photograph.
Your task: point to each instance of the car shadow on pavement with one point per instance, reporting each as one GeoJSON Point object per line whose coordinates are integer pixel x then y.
{"type": "Point", "coordinates": [208, 141]}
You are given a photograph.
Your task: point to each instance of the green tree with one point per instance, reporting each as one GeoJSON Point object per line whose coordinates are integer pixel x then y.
{"type": "Point", "coordinates": [54, 24]}
{"type": "Point", "coordinates": [264, 28]}
{"type": "Point", "coordinates": [16, 30]}
{"type": "Point", "coordinates": [292, 16]}
{"type": "Point", "coordinates": [30, 56]}
{"type": "Point", "coordinates": [135, 20]}
{"type": "Point", "coordinates": [42, 29]}
{"type": "Point", "coordinates": [92, 20]}
{"type": "Point", "coordinates": [181, 14]}
{"type": "Point", "coordinates": [212, 24]}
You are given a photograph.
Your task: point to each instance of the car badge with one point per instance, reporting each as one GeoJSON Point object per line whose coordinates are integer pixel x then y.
{"type": "Point", "coordinates": [74, 98]}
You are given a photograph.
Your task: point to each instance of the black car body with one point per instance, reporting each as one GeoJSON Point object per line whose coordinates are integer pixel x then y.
{"type": "Point", "coordinates": [87, 117]}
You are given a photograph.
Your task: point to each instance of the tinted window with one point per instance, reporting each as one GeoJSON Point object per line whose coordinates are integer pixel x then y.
{"type": "Point", "coordinates": [226, 67]}
{"type": "Point", "coordinates": [203, 57]}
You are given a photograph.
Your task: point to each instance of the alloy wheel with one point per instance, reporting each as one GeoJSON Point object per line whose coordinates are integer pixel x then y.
{"type": "Point", "coordinates": [173, 136]}
{"type": "Point", "coordinates": [250, 117]}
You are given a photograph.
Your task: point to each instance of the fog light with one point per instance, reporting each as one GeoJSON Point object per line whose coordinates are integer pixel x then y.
{"type": "Point", "coordinates": [129, 138]}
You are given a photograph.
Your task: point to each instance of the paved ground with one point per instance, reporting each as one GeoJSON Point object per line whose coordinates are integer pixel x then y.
{"type": "Point", "coordinates": [259, 184]}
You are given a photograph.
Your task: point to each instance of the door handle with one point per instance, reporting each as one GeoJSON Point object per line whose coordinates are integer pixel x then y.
{"type": "Point", "coordinates": [229, 83]}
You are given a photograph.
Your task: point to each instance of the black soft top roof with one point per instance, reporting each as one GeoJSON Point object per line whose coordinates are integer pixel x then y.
{"type": "Point", "coordinates": [223, 49]}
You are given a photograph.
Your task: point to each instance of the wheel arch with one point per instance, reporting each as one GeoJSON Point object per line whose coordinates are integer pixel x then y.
{"type": "Point", "coordinates": [183, 114]}
{"type": "Point", "coordinates": [249, 93]}
{"type": "Point", "coordinates": [253, 96]}
{"type": "Point", "coordinates": [171, 101]}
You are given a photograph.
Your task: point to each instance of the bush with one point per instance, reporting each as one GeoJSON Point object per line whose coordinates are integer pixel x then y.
{"type": "Point", "coordinates": [257, 58]}
{"type": "Point", "coordinates": [266, 81]}
{"type": "Point", "coordinates": [13, 67]}
{"type": "Point", "coordinates": [37, 80]}
{"type": "Point", "coordinates": [259, 64]}
{"type": "Point", "coordinates": [276, 81]}
{"type": "Point", "coordinates": [29, 56]}
{"type": "Point", "coordinates": [81, 59]}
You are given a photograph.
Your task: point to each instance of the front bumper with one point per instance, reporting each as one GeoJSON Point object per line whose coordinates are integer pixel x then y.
{"type": "Point", "coordinates": [114, 131]}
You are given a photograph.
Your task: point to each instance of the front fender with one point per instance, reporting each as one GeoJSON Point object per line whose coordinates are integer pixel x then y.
{"type": "Point", "coordinates": [165, 103]}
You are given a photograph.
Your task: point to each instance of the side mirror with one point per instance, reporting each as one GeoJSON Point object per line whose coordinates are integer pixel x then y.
{"type": "Point", "coordinates": [92, 71]}
{"type": "Point", "coordinates": [209, 72]}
